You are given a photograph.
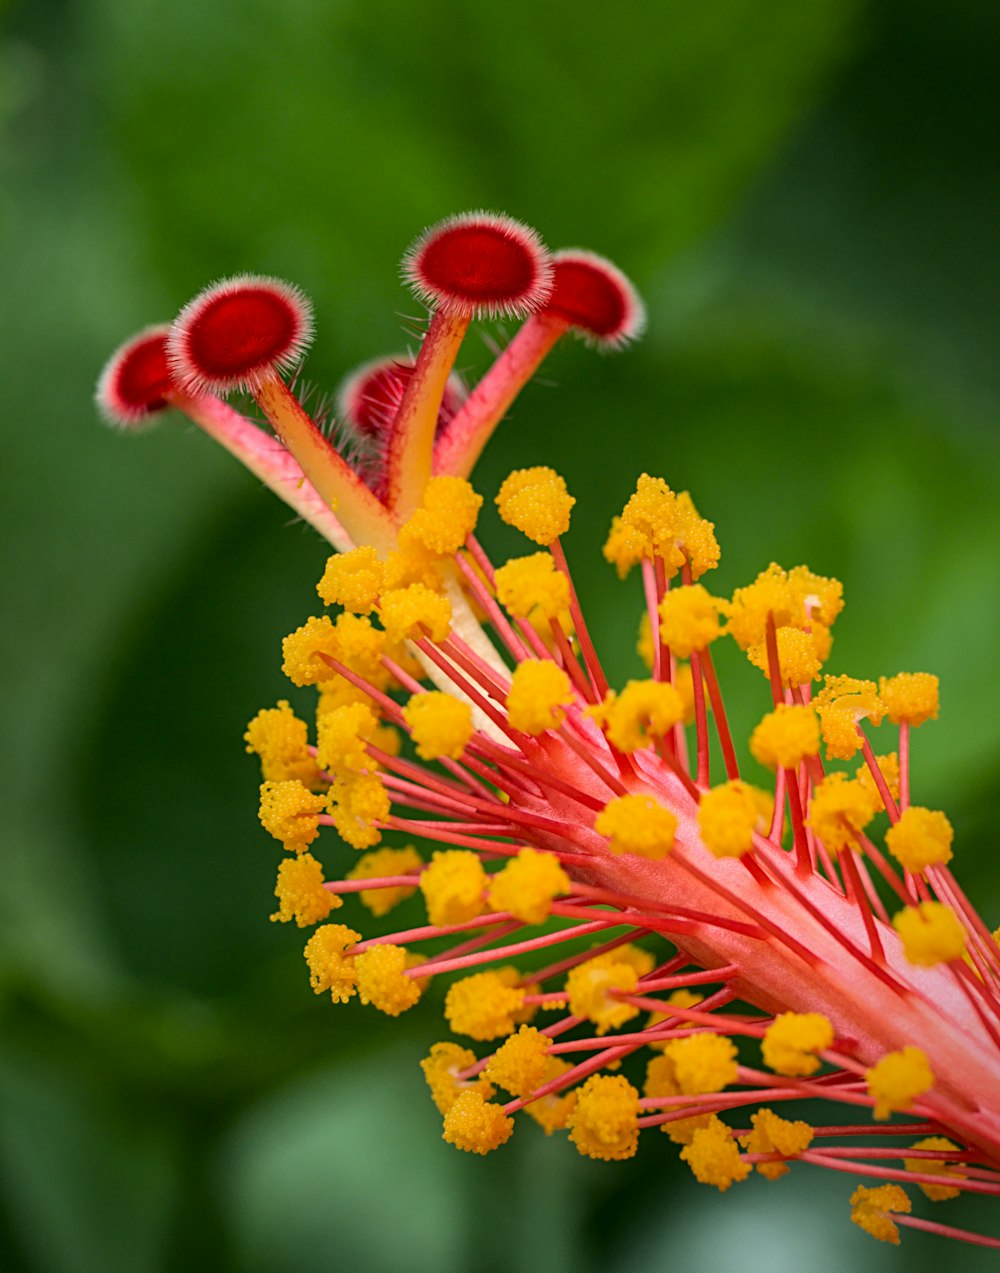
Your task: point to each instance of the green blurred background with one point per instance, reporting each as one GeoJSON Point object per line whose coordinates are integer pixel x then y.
{"type": "Point", "coordinates": [806, 195]}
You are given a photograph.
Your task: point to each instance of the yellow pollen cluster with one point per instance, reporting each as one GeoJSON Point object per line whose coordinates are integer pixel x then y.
{"type": "Point", "coordinates": [361, 647]}
{"type": "Point", "coordinates": [413, 612]}
{"type": "Point", "coordinates": [604, 1122]}
{"type": "Point", "coordinates": [385, 862]}
{"type": "Point", "coordinates": [637, 824]}
{"type": "Point", "coordinates": [301, 650]}
{"type": "Point", "coordinates": [661, 1081]}
{"type": "Point", "coordinates": [453, 885]}
{"type": "Point", "coordinates": [889, 768]}
{"type": "Point", "coordinates": [290, 812]}
{"type": "Point", "coordinates": [552, 1111]}
{"type": "Point", "coordinates": [300, 892]}
{"type": "Point", "coordinates": [641, 713]}
{"type": "Point", "coordinates": [485, 1005]}
{"type": "Point", "coordinates": [689, 619]}
{"type": "Point", "coordinates": [840, 806]}
{"type": "Point", "coordinates": [475, 1125]}
{"type": "Point", "coordinates": [590, 986]}
{"type": "Point", "coordinates": [714, 1156]}
{"type": "Point", "coordinates": [331, 967]}
{"type": "Point", "coordinates": [800, 655]}
{"type": "Point", "coordinates": [519, 1065]}
{"type": "Point", "coordinates": [357, 803]}
{"type": "Point", "coordinates": [657, 523]}
{"type": "Point", "coordinates": [531, 587]}
{"type": "Point", "coordinates": [441, 1069]}
{"type": "Point", "coordinates": [910, 696]}
{"type": "Point", "coordinates": [728, 816]}
{"type": "Point", "coordinates": [539, 690]}
{"type": "Point", "coordinates": [774, 1135]}
{"type": "Point", "coordinates": [381, 979]}
{"type": "Point", "coordinates": [353, 580]}
{"type": "Point", "coordinates": [786, 737]}
{"type": "Point", "coordinates": [341, 734]}
{"type": "Point", "coordinates": [898, 1079]}
{"type": "Point", "coordinates": [935, 1167]}
{"type": "Point", "coordinates": [440, 724]}
{"type": "Point", "coordinates": [841, 703]}
{"type": "Point", "coordinates": [527, 885]}
{"type": "Point", "coordinates": [793, 1039]}
{"type": "Point", "coordinates": [796, 598]}
{"type": "Point", "coordinates": [921, 838]}
{"type": "Point", "coordinates": [696, 536]}
{"type": "Point", "coordinates": [280, 739]}
{"type": "Point", "coordinates": [870, 1208]}
{"type": "Point", "coordinates": [702, 1062]}
{"type": "Point", "coordinates": [446, 516]}
{"type": "Point", "coordinates": [931, 933]}
{"type": "Point", "coordinates": [537, 503]}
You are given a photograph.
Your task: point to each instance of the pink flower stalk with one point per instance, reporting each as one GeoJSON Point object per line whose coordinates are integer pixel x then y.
{"type": "Point", "coordinates": [758, 948]}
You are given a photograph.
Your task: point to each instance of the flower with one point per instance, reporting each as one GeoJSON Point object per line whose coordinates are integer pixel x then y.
{"type": "Point", "coordinates": [599, 889]}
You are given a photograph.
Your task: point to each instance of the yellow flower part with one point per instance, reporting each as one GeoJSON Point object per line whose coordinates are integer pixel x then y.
{"type": "Point", "coordinates": [414, 612]}
{"type": "Point", "coordinates": [537, 503]}
{"type": "Point", "coordinates": [484, 1005]}
{"type": "Point", "coordinates": [440, 724]}
{"type": "Point", "coordinates": [453, 886]}
{"type": "Point", "coordinates": [341, 735]}
{"type": "Point", "coordinates": [551, 1112]}
{"type": "Point", "coordinates": [357, 803]}
{"type": "Point", "coordinates": [842, 703]}
{"type": "Point", "coordinates": [446, 516]}
{"type": "Point", "coordinates": [527, 885]}
{"type": "Point", "coordinates": [644, 640]}
{"type": "Point", "coordinates": [774, 1135]}
{"type": "Point", "coordinates": [300, 892]}
{"type": "Point", "coordinates": [590, 986]}
{"type": "Point", "coordinates": [661, 1081]}
{"type": "Point", "coordinates": [290, 812]}
{"type": "Point", "coordinates": [624, 547]}
{"type": "Point", "coordinates": [649, 526]}
{"type": "Point", "coordinates": [696, 536]}
{"type": "Point", "coordinates": [604, 1122]}
{"type": "Point", "coordinates": [729, 814]}
{"type": "Point", "coordinates": [689, 619]}
{"type": "Point", "coordinates": [339, 692]}
{"type": "Point", "coordinates": [531, 587]}
{"type": "Point", "coordinates": [281, 740]}
{"type": "Point", "coordinates": [793, 1039]}
{"type": "Point", "coordinates": [519, 1065]}
{"type": "Point", "coordinates": [889, 766]}
{"type": "Point", "coordinates": [921, 838]}
{"type": "Point", "coordinates": [910, 696]}
{"type": "Point", "coordinates": [360, 646]}
{"type": "Point", "coordinates": [797, 599]}
{"type": "Point", "coordinates": [382, 980]}
{"type": "Point", "coordinates": [786, 737]}
{"type": "Point", "coordinates": [441, 1069]}
{"type": "Point", "coordinates": [870, 1208]}
{"type": "Point", "coordinates": [799, 656]}
{"type": "Point", "coordinates": [331, 967]}
{"type": "Point", "coordinates": [301, 650]}
{"type": "Point", "coordinates": [539, 690]}
{"type": "Point", "coordinates": [637, 824]}
{"type": "Point", "coordinates": [935, 1167]}
{"type": "Point", "coordinates": [412, 563]}
{"type": "Point", "coordinates": [641, 713]}
{"type": "Point", "coordinates": [353, 580]}
{"type": "Point", "coordinates": [475, 1125]}
{"type": "Point", "coordinates": [839, 807]}
{"type": "Point", "coordinates": [676, 999]}
{"type": "Point", "coordinates": [897, 1080]}
{"type": "Point", "coordinates": [385, 862]}
{"type": "Point", "coordinates": [931, 933]}
{"type": "Point", "coordinates": [702, 1062]}
{"type": "Point", "coordinates": [714, 1156]}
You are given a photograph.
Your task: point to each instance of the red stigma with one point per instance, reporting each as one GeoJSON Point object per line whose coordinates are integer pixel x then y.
{"type": "Point", "coordinates": [136, 379]}
{"type": "Point", "coordinates": [369, 398]}
{"type": "Point", "coordinates": [238, 332]}
{"type": "Point", "coordinates": [596, 298]}
{"type": "Point", "coordinates": [480, 263]}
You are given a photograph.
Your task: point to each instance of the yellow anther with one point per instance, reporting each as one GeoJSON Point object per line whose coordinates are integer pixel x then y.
{"type": "Point", "coordinates": [637, 824]}
{"type": "Point", "coordinates": [301, 650]}
{"type": "Point", "coordinates": [921, 838]}
{"type": "Point", "coordinates": [840, 807]}
{"type": "Point", "coordinates": [446, 516]}
{"type": "Point", "coordinates": [897, 1080]}
{"type": "Point", "coordinates": [384, 862]}
{"type": "Point", "coordinates": [353, 580]}
{"type": "Point", "coordinates": [792, 1041]}
{"type": "Point", "coordinates": [652, 521]}
{"type": "Point", "coordinates": [702, 1062]}
{"type": "Point", "coordinates": [591, 986]}
{"type": "Point", "coordinates": [910, 696]}
{"type": "Point", "coordinates": [453, 886]}
{"type": "Point", "coordinates": [484, 1005]}
{"type": "Point", "coordinates": [414, 612]}
{"type": "Point", "coordinates": [774, 1135]}
{"type": "Point", "coordinates": [360, 646]}
{"type": "Point", "coordinates": [799, 655]}
{"type": "Point", "coordinates": [357, 803]}
{"type": "Point", "coordinates": [643, 712]}
{"type": "Point", "coordinates": [300, 892]}
{"type": "Point", "coordinates": [624, 547]}
{"type": "Point", "coordinates": [519, 1065]}
{"type": "Point", "coordinates": [539, 691]}
{"type": "Point", "coordinates": [441, 1069]}
{"type": "Point", "coordinates": [714, 1156]}
{"type": "Point", "coordinates": [290, 812]}
{"type": "Point", "coordinates": [440, 724]}
{"type": "Point", "coordinates": [870, 1209]}
{"type": "Point", "coordinates": [532, 588]}
{"type": "Point", "coordinates": [339, 692]}
{"type": "Point", "coordinates": [769, 594]}
{"type": "Point", "coordinates": [931, 933]}
{"type": "Point", "coordinates": [341, 735]}
{"type": "Point", "coordinates": [661, 1081]}
{"type": "Point", "coordinates": [689, 619]}
{"type": "Point", "coordinates": [331, 966]}
{"type": "Point", "coordinates": [604, 1122]}
{"type": "Point", "coordinates": [280, 739]}
{"type": "Point", "coordinates": [819, 599]}
{"type": "Point", "coordinates": [842, 703]}
{"type": "Point", "coordinates": [728, 816]}
{"type": "Point", "coordinates": [382, 980]}
{"type": "Point", "coordinates": [527, 885]}
{"type": "Point", "coordinates": [537, 502]}
{"type": "Point", "coordinates": [696, 536]}
{"type": "Point", "coordinates": [475, 1125]}
{"type": "Point", "coordinates": [786, 737]}
{"type": "Point", "coordinates": [552, 1111]}
{"type": "Point", "coordinates": [935, 1167]}
{"type": "Point", "coordinates": [412, 563]}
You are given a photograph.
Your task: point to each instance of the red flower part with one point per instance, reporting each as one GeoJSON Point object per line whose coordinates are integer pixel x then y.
{"type": "Point", "coordinates": [481, 264]}
{"type": "Point", "coordinates": [239, 332]}
{"type": "Point", "coordinates": [136, 379]}
{"type": "Point", "coordinates": [369, 398]}
{"type": "Point", "coordinates": [595, 298]}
